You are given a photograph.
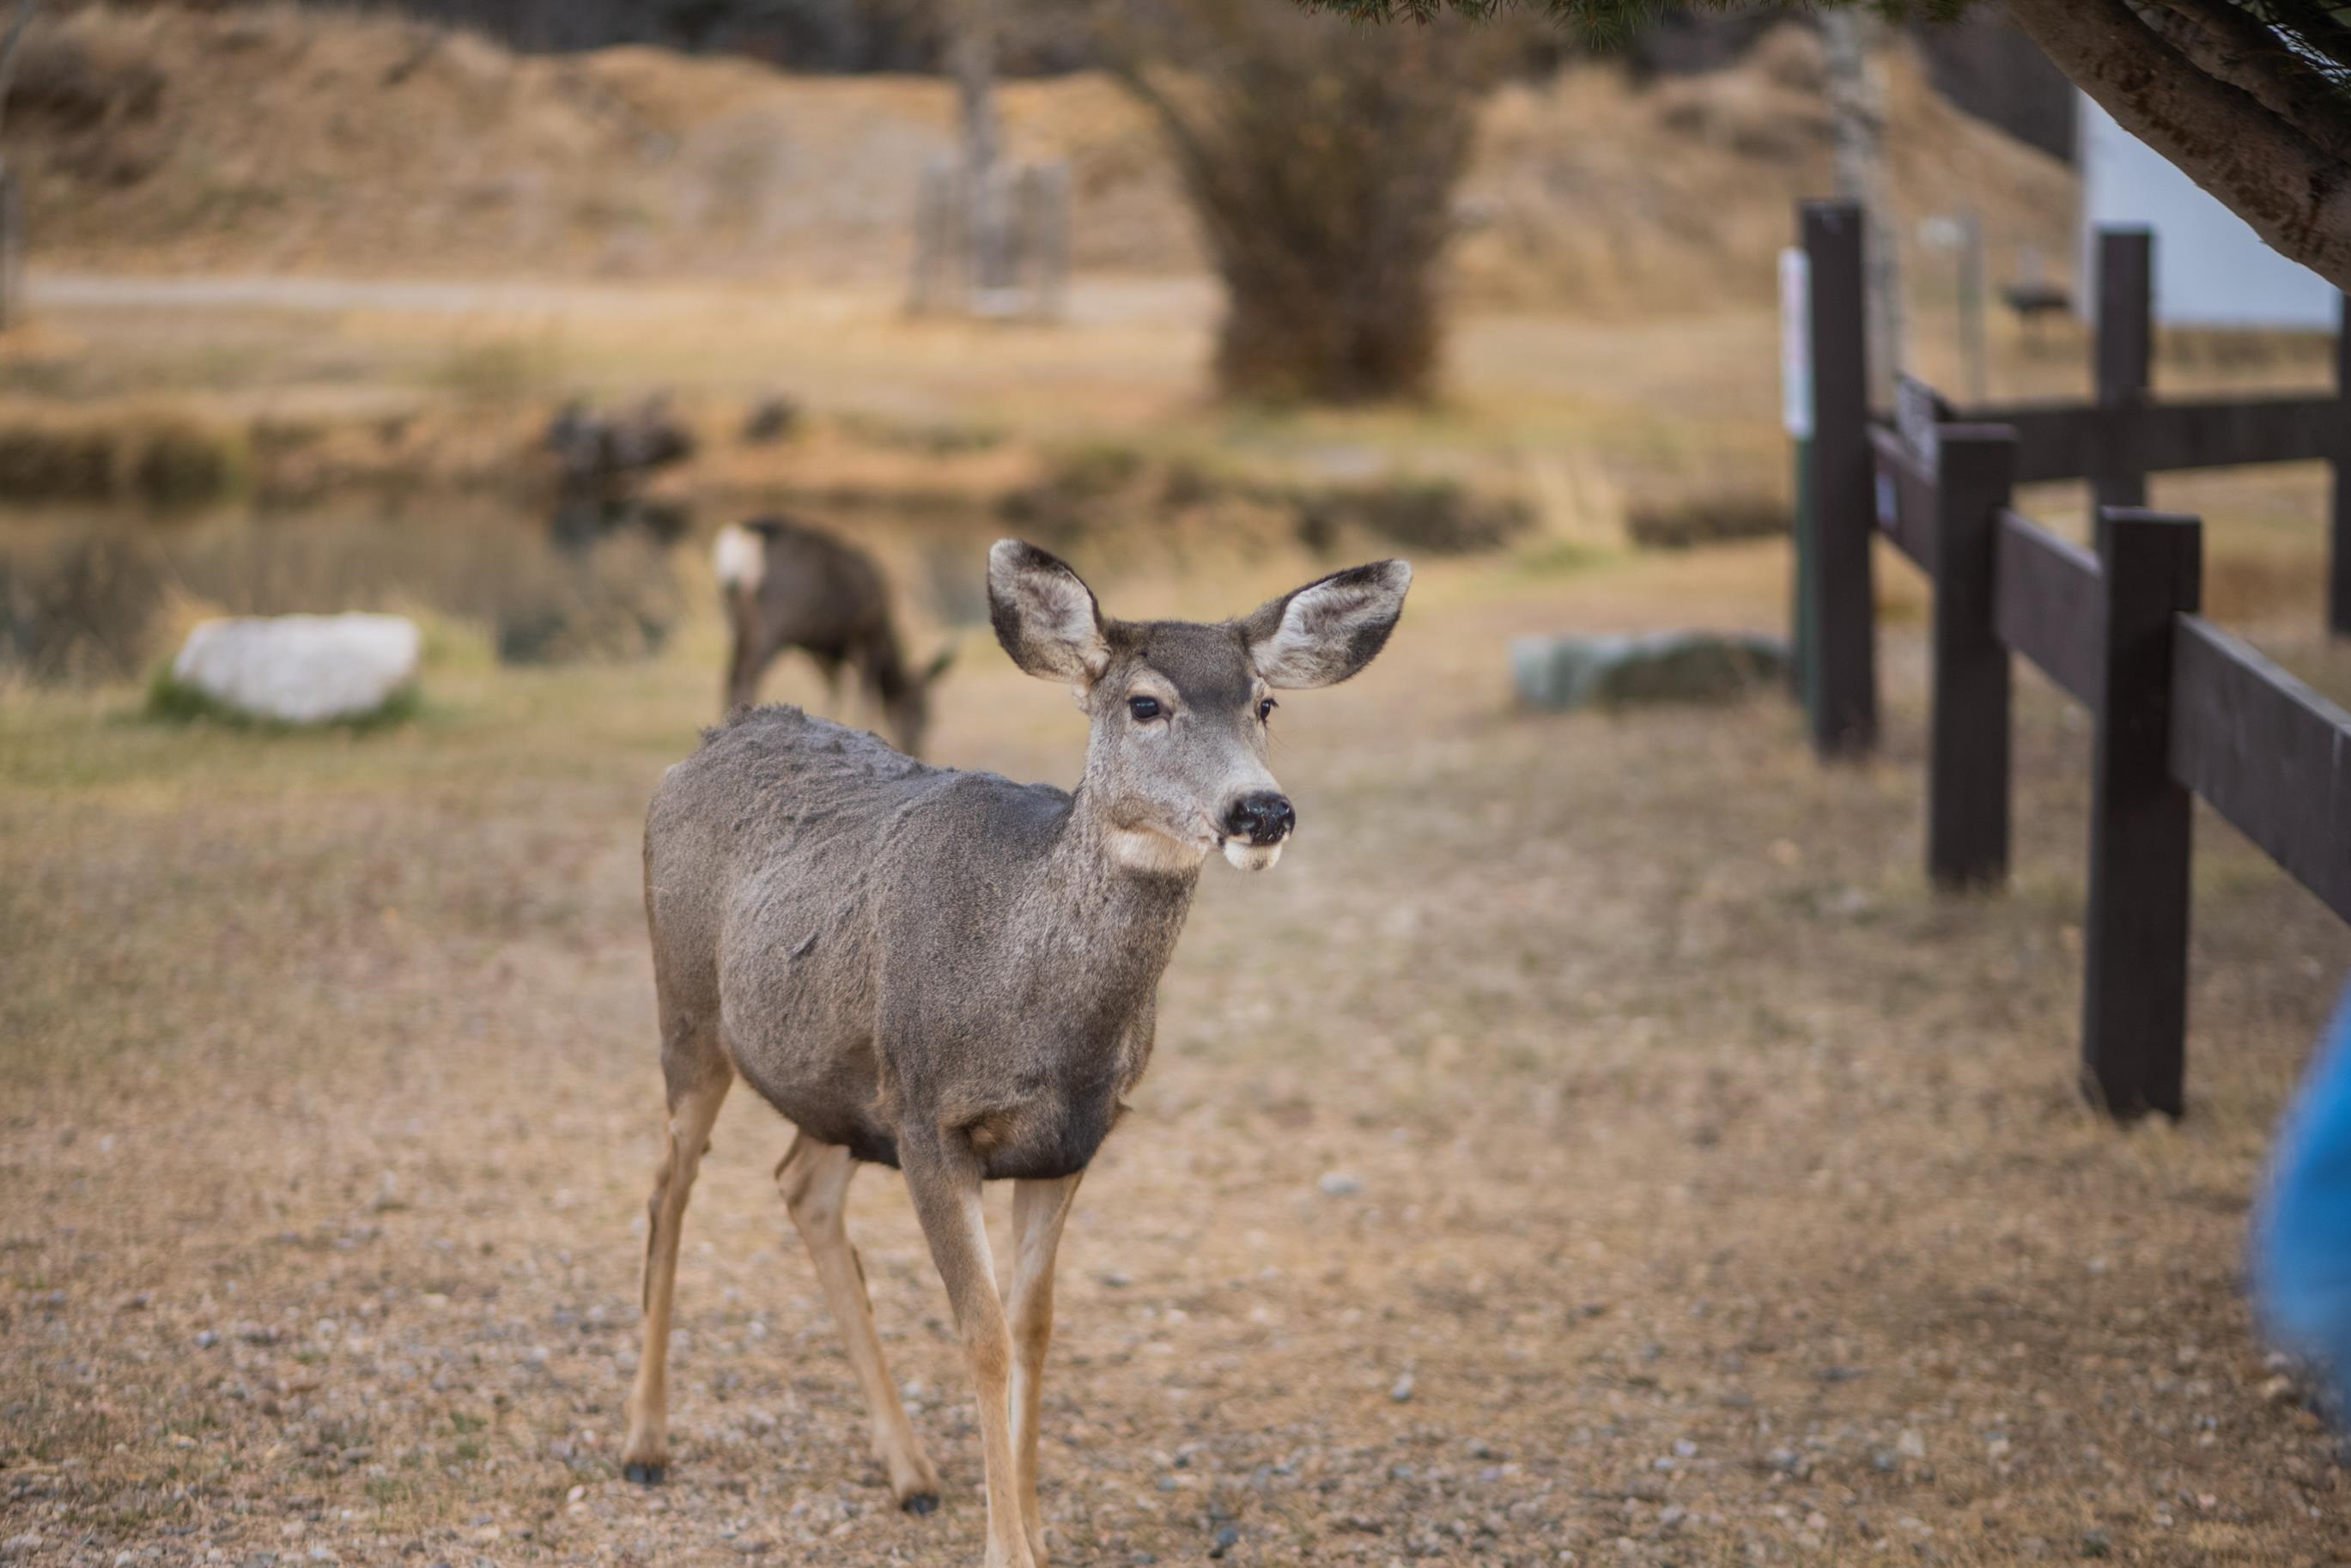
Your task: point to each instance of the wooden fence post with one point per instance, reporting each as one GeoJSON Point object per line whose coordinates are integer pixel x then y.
{"type": "Point", "coordinates": [1968, 736]}
{"type": "Point", "coordinates": [1839, 592]}
{"type": "Point", "coordinates": [2134, 933]}
{"type": "Point", "coordinates": [12, 254]}
{"type": "Point", "coordinates": [2125, 350]}
{"type": "Point", "coordinates": [2338, 548]}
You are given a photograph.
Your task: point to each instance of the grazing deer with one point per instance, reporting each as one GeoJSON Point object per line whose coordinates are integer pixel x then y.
{"type": "Point", "coordinates": [955, 975]}
{"type": "Point", "coordinates": [791, 587]}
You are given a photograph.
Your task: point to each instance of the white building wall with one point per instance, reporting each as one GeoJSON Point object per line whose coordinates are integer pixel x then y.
{"type": "Point", "coordinates": [2211, 268]}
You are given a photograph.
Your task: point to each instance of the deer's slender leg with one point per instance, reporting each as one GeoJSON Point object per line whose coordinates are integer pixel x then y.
{"type": "Point", "coordinates": [1039, 1208]}
{"type": "Point", "coordinates": [692, 1107]}
{"type": "Point", "coordinates": [829, 666]}
{"type": "Point", "coordinates": [814, 1180]}
{"type": "Point", "coordinates": [943, 1175]}
{"type": "Point", "coordinates": [751, 651]}
{"type": "Point", "coordinates": [870, 685]}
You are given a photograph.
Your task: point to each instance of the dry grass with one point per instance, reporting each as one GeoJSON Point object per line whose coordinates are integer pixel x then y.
{"type": "Point", "coordinates": [157, 455]}
{"type": "Point", "coordinates": [276, 138]}
{"type": "Point", "coordinates": [1724, 1195]}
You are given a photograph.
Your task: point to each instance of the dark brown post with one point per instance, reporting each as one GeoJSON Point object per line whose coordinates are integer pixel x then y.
{"type": "Point", "coordinates": [2125, 349]}
{"type": "Point", "coordinates": [2135, 934]}
{"type": "Point", "coordinates": [12, 254]}
{"type": "Point", "coordinates": [2338, 547]}
{"type": "Point", "coordinates": [1967, 764]}
{"type": "Point", "coordinates": [1842, 490]}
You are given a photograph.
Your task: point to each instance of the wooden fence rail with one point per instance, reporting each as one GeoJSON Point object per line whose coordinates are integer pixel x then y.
{"type": "Point", "coordinates": [2115, 442]}
{"type": "Point", "coordinates": [2056, 440]}
{"type": "Point", "coordinates": [2179, 709]}
{"type": "Point", "coordinates": [2270, 754]}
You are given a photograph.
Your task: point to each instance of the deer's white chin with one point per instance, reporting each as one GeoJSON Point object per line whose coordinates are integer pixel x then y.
{"type": "Point", "coordinates": [1251, 857]}
{"type": "Point", "coordinates": [1140, 849]}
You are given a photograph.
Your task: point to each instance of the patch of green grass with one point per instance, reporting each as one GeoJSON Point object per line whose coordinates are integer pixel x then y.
{"type": "Point", "coordinates": [932, 439]}
{"type": "Point", "coordinates": [176, 461]}
{"type": "Point", "coordinates": [500, 371]}
{"type": "Point", "coordinates": [1560, 558]}
{"type": "Point", "coordinates": [173, 701]}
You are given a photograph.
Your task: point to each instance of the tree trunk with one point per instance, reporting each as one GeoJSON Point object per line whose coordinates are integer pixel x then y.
{"type": "Point", "coordinates": [2261, 166]}
{"type": "Point", "coordinates": [974, 50]}
{"type": "Point", "coordinates": [1856, 46]}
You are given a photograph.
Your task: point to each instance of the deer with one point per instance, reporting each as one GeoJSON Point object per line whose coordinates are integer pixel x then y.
{"type": "Point", "coordinates": [955, 975]}
{"type": "Point", "coordinates": [791, 586]}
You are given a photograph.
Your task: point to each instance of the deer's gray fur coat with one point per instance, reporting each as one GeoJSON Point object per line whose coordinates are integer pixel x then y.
{"type": "Point", "coordinates": [955, 974]}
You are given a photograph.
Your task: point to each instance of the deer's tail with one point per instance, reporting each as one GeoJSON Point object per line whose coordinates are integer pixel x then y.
{"type": "Point", "coordinates": [739, 557]}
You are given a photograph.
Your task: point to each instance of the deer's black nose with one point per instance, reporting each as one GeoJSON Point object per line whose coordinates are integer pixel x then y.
{"type": "Point", "coordinates": [1263, 817]}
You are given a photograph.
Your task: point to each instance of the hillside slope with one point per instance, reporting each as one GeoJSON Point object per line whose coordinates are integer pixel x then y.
{"type": "Point", "coordinates": [284, 139]}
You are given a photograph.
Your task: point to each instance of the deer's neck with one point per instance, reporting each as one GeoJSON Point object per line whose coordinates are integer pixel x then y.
{"type": "Point", "coordinates": [886, 663]}
{"type": "Point", "coordinates": [1120, 910]}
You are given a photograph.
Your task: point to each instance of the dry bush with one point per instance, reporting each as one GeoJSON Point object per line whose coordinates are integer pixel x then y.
{"type": "Point", "coordinates": [42, 460]}
{"type": "Point", "coordinates": [1089, 491]}
{"type": "Point", "coordinates": [75, 83]}
{"type": "Point", "coordinates": [1707, 519]}
{"type": "Point", "coordinates": [1437, 516]}
{"type": "Point", "coordinates": [1320, 160]}
{"type": "Point", "coordinates": [155, 455]}
{"type": "Point", "coordinates": [95, 103]}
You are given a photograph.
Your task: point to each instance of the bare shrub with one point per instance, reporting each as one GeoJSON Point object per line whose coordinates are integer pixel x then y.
{"type": "Point", "coordinates": [1705, 519]}
{"type": "Point", "coordinates": [1437, 517]}
{"type": "Point", "coordinates": [1320, 159]}
{"type": "Point", "coordinates": [67, 85]}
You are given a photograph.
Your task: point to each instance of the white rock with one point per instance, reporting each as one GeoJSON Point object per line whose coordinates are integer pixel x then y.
{"type": "Point", "coordinates": [301, 669]}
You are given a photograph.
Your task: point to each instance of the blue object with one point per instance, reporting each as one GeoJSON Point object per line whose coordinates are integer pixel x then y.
{"type": "Point", "coordinates": [2302, 1236]}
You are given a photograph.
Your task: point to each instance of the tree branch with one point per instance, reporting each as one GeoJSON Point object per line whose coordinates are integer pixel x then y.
{"type": "Point", "coordinates": [2225, 41]}
{"type": "Point", "coordinates": [2292, 192]}
{"type": "Point", "coordinates": [2315, 22]}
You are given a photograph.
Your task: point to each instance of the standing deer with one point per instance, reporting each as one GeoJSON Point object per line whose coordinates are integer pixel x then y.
{"type": "Point", "coordinates": [791, 587]}
{"type": "Point", "coordinates": [955, 975]}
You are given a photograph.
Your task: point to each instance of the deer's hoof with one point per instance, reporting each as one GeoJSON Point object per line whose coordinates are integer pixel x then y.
{"type": "Point", "coordinates": [922, 1502]}
{"type": "Point", "coordinates": [645, 1475]}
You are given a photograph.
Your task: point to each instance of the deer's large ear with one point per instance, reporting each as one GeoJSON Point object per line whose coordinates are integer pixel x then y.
{"type": "Point", "coordinates": [1327, 631]}
{"type": "Point", "coordinates": [1044, 615]}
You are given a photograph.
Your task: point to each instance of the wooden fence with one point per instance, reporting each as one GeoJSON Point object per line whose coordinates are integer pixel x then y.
{"type": "Point", "coordinates": [2114, 441]}
{"type": "Point", "coordinates": [2180, 707]}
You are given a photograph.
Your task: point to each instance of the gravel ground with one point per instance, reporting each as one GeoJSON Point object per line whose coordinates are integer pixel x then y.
{"type": "Point", "coordinates": [1592, 1144]}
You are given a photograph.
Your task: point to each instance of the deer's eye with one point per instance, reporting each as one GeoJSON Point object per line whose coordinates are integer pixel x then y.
{"type": "Point", "coordinates": [1265, 707]}
{"type": "Point", "coordinates": [1144, 709]}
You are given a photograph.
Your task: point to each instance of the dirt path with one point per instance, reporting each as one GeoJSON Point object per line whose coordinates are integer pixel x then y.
{"type": "Point", "coordinates": [1592, 1144]}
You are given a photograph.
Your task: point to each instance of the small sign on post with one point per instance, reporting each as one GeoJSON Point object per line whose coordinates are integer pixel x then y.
{"type": "Point", "coordinates": [1796, 343]}
{"type": "Point", "coordinates": [1796, 417]}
